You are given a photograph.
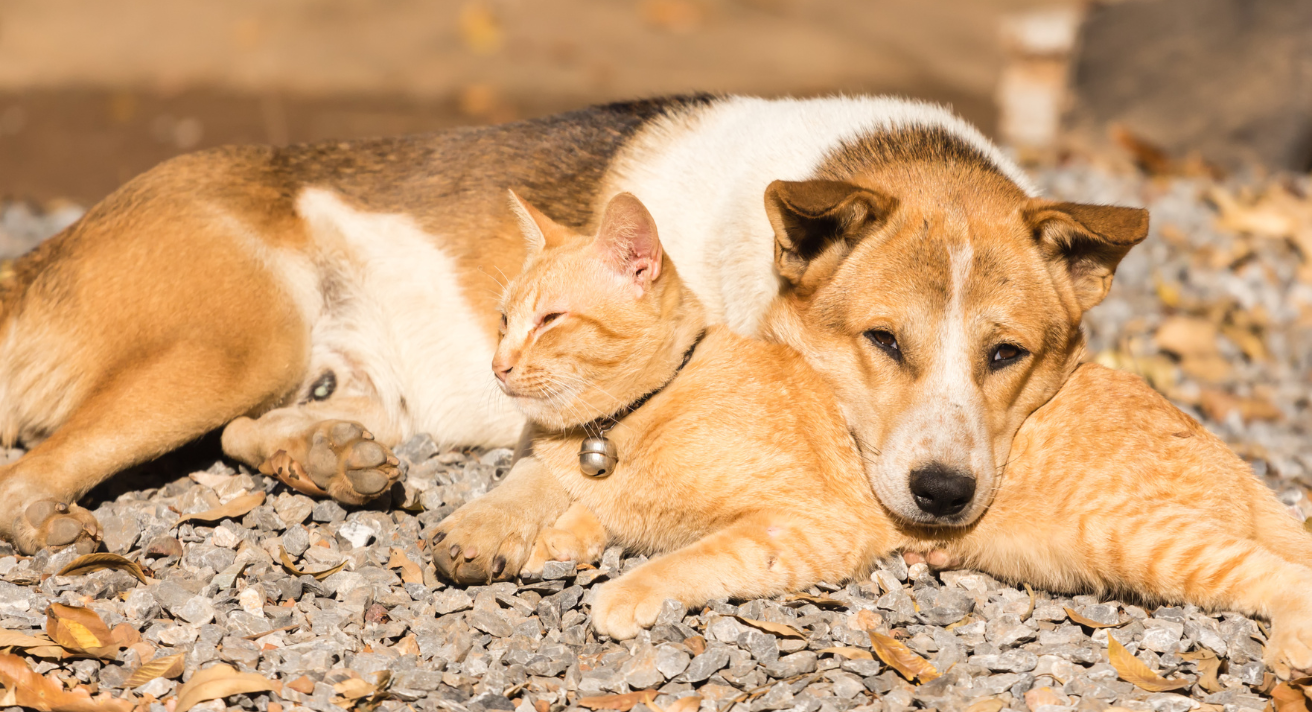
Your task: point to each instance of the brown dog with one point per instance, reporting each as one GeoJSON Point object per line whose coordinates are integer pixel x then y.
{"type": "Point", "coordinates": [324, 302]}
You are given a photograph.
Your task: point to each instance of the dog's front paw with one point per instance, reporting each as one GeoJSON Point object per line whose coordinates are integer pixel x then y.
{"type": "Point", "coordinates": [627, 605]}
{"type": "Point", "coordinates": [341, 461]}
{"type": "Point", "coordinates": [1289, 651]}
{"type": "Point", "coordinates": [482, 542]}
{"type": "Point", "coordinates": [47, 523]}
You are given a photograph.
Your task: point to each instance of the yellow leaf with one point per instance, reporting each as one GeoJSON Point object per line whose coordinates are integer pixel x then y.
{"type": "Point", "coordinates": [217, 682]}
{"type": "Point", "coordinates": [849, 653]}
{"type": "Point", "coordinates": [1208, 668]}
{"type": "Point", "coordinates": [801, 599]}
{"type": "Point", "coordinates": [1287, 697]}
{"type": "Point", "coordinates": [1133, 670]}
{"type": "Point", "coordinates": [1089, 622]}
{"type": "Point", "coordinates": [95, 562]}
{"type": "Point", "coordinates": [80, 631]}
{"type": "Point", "coordinates": [991, 704]}
{"type": "Point", "coordinates": [169, 666]}
{"type": "Point", "coordinates": [25, 688]}
{"type": "Point", "coordinates": [410, 571]}
{"type": "Point", "coordinates": [901, 658]}
{"type": "Point", "coordinates": [237, 507]}
{"type": "Point", "coordinates": [783, 630]}
{"type": "Point", "coordinates": [291, 567]}
{"type": "Point", "coordinates": [14, 639]}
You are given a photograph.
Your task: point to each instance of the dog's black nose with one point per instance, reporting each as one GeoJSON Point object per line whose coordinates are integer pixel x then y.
{"type": "Point", "coordinates": [940, 490]}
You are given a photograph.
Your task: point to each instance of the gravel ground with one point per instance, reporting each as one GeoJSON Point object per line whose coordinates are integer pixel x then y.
{"type": "Point", "coordinates": [529, 646]}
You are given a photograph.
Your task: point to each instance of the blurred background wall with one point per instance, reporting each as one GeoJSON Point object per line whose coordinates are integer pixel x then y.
{"type": "Point", "coordinates": [93, 92]}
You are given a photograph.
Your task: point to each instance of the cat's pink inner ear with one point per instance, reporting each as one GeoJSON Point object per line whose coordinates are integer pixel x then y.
{"type": "Point", "coordinates": [629, 241]}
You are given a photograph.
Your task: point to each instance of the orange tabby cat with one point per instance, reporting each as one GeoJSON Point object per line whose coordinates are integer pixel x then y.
{"type": "Point", "coordinates": [741, 467]}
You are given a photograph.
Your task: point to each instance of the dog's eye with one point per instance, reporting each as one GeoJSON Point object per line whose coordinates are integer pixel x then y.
{"type": "Point", "coordinates": [886, 342]}
{"type": "Point", "coordinates": [1005, 355]}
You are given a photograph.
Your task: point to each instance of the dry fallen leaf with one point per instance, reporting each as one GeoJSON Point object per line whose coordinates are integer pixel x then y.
{"type": "Point", "coordinates": [353, 688]}
{"type": "Point", "coordinates": [288, 564]}
{"type": "Point", "coordinates": [801, 599]}
{"type": "Point", "coordinates": [217, 682]}
{"type": "Point", "coordinates": [1089, 622]}
{"type": "Point", "coordinates": [1289, 697]}
{"type": "Point", "coordinates": [25, 688]}
{"type": "Point", "coordinates": [623, 703]}
{"type": "Point", "coordinates": [1218, 405]}
{"type": "Point", "coordinates": [236, 507]}
{"type": "Point", "coordinates": [169, 666]}
{"type": "Point", "coordinates": [849, 653]}
{"type": "Point", "coordinates": [1208, 667]}
{"type": "Point", "coordinates": [783, 630]}
{"type": "Point", "coordinates": [901, 658]}
{"type": "Point", "coordinates": [410, 571]}
{"type": "Point", "coordinates": [104, 560]}
{"type": "Point", "coordinates": [14, 639]}
{"type": "Point", "coordinates": [685, 704]}
{"type": "Point", "coordinates": [125, 635]}
{"type": "Point", "coordinates": [1133, 670]}
{"type": "Point", "coordinates": [868, 620]}
{"type": "Point", "coordinates": [303, 685]}
{"type": "Point", "coordinates": [80, 631]}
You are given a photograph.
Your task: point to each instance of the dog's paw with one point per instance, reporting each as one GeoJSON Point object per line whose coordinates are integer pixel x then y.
{"type": "Point", "coordinates": [342, 461]}
{"type": "Point", "coordinates": [482, 542]}
{"type": "Point", "coordinates": [1289, 651]}
{"type": "Point", "coordinates": [935, 559]}
{"type": "Point", "coordinates": [627, 605]}
{"type": "Point", "coordinates": [47, 523]}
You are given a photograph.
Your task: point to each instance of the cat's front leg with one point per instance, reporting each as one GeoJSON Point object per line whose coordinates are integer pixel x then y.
{"type": "Point", "coordinates": [757, 556]}
{"type": "Point", "coordinates": [576, 536]}
{"type": "Point", "coordinates": [493, 536]}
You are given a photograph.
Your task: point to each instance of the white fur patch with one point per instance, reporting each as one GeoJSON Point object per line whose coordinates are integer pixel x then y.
{"type": "Point", "coordinates": [704, 177]}
{"type": "Point", "coordinates": [403, 327]}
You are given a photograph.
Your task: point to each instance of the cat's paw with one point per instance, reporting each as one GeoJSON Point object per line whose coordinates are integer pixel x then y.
{"type": "Point", "coordinates": [341, 461]}
{"type": "Point", "coordinates": [935, 559]}
{"type": "Point", "coordinates": [1289, 650]}
{"type": "Point", "coordinates": [47, 523]}
{"type": "Point", "coordinates": [626, 606]}
{"type": "Point", "coordinates": [482, 542]}
{"type": "Point", "coordinates": [583, 542]}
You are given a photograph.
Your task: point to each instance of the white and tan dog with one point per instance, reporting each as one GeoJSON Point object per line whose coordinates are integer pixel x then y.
{"type": "Point", "coordinates": [323, 302]}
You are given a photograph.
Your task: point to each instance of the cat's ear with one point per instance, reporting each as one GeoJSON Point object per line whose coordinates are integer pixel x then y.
{"type": "Point", "coordinates": [628, 241]}
{"type": "Point", "coordinates": [532, 223]}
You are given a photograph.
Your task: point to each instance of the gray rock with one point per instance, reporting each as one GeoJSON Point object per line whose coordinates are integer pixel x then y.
{"type": "Point", "coordinates": [671, 660]}
{"type": "Point", "coordinates": [800, 663]}
{"type": "Point", "coordinates": [328, 512]}
{"type": "Point", "coordinates": [708, 663]}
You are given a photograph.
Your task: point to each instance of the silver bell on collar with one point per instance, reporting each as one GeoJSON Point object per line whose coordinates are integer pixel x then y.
{"type": "Point", "coordinates": [598, 457]}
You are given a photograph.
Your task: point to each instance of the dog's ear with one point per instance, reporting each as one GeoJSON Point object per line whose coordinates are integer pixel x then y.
{"type": "Point", "coordinates": [811, 217]}
{"type": "Point", "coordinates": [1088, 241]}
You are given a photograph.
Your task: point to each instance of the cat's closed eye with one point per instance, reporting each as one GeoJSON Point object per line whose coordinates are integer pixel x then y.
{"type": "Point", "coordinates": [547, 319]}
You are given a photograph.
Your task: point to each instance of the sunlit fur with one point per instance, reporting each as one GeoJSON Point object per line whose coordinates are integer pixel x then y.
{"type": "Point", "coordinates": [744, 475]}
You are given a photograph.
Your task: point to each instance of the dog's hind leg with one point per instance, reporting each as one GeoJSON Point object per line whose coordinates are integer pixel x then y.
{"type": "Point", "coordinates": [321, 449]}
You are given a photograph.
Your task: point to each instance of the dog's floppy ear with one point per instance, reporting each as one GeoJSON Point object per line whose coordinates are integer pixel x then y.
{"type": "Point", "coordinates": [811, 216]}
{"type": "Point", "coordinates": [1087, 240]}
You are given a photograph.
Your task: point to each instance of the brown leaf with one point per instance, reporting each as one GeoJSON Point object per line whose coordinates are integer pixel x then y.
{"type": "Point", "coordinates": [696, 644]}
{"type": "Point", "coordinates": [990, 704]}
{"type": "Point", "coordinates": [303, 685]}
{"type": "Point", "coordinates": [1089, 622]}
{"type": "Point", "coordinates": [25, 688]}
{"type": "Point", "coordinates": [849, 653]}
{"type": "Point", "coordinates": [1208, 667]}
{"type": "Point", "coordinates": [219, 681]}
{"type": "Point", "coordinates": [783, 630]}
{"type": "Point", "coordinates": [1133, 670]}
{"type": "Point", "coordinates": [901, 658]}
{"type": "Point", "coordinates": [1040, 696]}
{"type": "Point", "coordinates": [236, 507]}
{"type": "Point", "coordinates": [14, 639]}
{"type": "Point", "coordinates": [80, 631]}
{"type": "Point", "coordinates": [124, 635]}
{"type": "Point", "coordinates": [410, 571]}
{"type": "Point", "coordinates": [623, 703]}
{"type": "Point", "coordinates": [1287, 697]}
{"type": "Point", "coordinates": [868, 620]}
{"type": "Point", "coordinates": [291, 567]}
{"type": "Point", "coordinates": [824, 602]}
{"type": "Point", "coordinates": [169, 666]}
{"type": "Point", "coordinates": [104, 560]}
{"type": "Point", "coordinates": [353, 688]}
{"type": "Point", "coordinates": [1029, 611]}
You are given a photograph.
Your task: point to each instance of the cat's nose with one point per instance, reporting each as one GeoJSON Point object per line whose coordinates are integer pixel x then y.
{"type": "Point", "coordinates": [941, 490]}
{"type": "Point", "coordinates": [502, 371]}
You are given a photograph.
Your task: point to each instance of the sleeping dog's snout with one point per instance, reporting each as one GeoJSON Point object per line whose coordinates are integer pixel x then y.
{"type": "Point", "coordinates": [940, 490]}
